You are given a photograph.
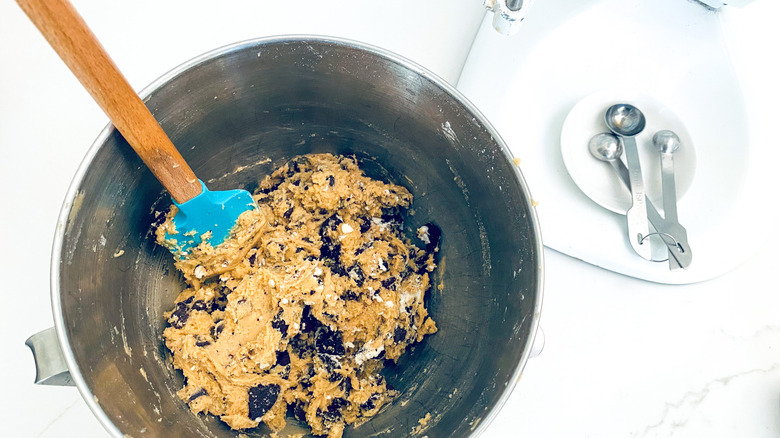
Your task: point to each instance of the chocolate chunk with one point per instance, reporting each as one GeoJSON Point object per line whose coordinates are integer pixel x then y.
{"type": "Point", "coordinates": [338, 269]}
{"type": "Point", "coordinates": [351, 295]}
{"type": "Point", "coordinates": [188, 300]}
{"type": "Point", "coordinates": [328, 341]}
{"type": "Point", "coordinates": [331, 223]}
{"type": "Point", "coordinates": [298, 410]}
{"type": "Point", "coordinates": [399, 334]}
{"type": "Point", "coordinates": [279, 324]}
{"type": "Point", "coordinates": [159, 219]}
{"type": "Point", "coordinates": [420, 260]}
{"type": "Point", "coordinates": [306, 379]}
{"type": "Point", "coordinates": [346, 386]}
{"type": "Point", "coordinates": [330, 252]}
{"type": "Point", "coordinates": [282, 358]}
{"type": "Point", "coordinates": [364, 247]}
{"type": "Point", "coordinates": [355, 272]}
{"type": "Point", "coordinates": [365, 223]}
{"type": "Point", "coordinates": [299, 163]}
{"type": "Point", "coordinates": [333, 413]}
{"type": "Point", "coordinates": [309, 322]}
{"type": "Point", "coordinates": [289, 212]}
{"type": "Point", "coordinates": [330, 415]}
{"type": "Point", "coordinates": [179, 316]}
{"type": "Point", "coordinates": [338, 403]}
{"type": "Point", "coordinates": [331, 180]}
{"type": "Point", "coordinates": [252, 259]}
{"type": "Point", "coordinates": [199, 393]}
{"type": "Point", "coordinates": [202, 342]}
{"type": "Point", "coordinates": [199, 305]}
{"type": "Point", "coordinates": [299, 346]}
{"type": "Point", "coordinates": [331, 364]}
{"type": "Point", "coordinates": [434, 237]}
{"type": "Point", "coordinates": [392, 216]}
{"type": "Point", "coordinates": [274, 184]}
{"type": "Point", "coordinates": [218, 305]}
{"type": "Point", "coordinates": [370, 404]}
{"type": "Point", "coordinates": [217, 328]}
{"type": "Point", "coordinates": [220, 301]}
{"type": "Point", "coordinates": [387, 283]}
{"type": "Point", "coordinates": [261, 399]}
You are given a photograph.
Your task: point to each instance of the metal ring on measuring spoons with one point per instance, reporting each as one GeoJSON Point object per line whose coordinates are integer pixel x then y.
{"type": "Point", "coordinates": [662, 235]}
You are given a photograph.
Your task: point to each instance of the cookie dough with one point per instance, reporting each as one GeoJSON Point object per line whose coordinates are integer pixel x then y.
{"type": "Point", "coordinates": [296, 313]}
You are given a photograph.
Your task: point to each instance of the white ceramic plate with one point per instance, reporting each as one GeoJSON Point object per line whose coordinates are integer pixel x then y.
{"type": "Point", "coordinates": [597, 179]}
{"type": "Point", "coordinates": [672, 50]}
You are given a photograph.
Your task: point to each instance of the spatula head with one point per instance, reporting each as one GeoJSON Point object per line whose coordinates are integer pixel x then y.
{"type": "Point", "coordinates": [216, 211]}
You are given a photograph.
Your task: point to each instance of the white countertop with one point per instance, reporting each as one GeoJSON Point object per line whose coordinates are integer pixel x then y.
{"type": "Point", "coordinates": [623, 357]}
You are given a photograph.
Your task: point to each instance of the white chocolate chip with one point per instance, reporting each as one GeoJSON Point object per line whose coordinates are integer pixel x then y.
{"type": "Point", "coordinates": [422, 234]}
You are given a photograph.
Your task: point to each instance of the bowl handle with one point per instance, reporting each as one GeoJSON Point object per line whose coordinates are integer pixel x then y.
{"type": "Point", "coordinates": [50, 366]}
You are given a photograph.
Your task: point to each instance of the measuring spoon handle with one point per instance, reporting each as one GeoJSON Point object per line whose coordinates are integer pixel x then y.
{"type": "Point", "coordinates": [636, 216]}
{"type": "Point", "coordinates": [681, 255]}
{"type": "Point", "coordinates": [671, 224]}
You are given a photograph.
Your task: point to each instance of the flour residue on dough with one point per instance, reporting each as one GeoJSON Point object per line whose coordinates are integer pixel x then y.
{"type": "Point", "coordinates": [298, 310]}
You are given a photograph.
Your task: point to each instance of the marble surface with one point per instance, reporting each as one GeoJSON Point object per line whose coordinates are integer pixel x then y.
{"type": "Point", "coordinates": [623, 357]}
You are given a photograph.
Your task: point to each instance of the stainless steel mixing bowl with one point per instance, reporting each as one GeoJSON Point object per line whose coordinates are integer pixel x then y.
{"type": "Point", "coordinates": [237, 113]}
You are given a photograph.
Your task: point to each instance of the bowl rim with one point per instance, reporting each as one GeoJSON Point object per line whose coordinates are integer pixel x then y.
{"type": "Point", "coordinates": [68, 208]}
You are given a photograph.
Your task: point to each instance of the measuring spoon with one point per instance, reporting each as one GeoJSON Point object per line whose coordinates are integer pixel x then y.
{"type": "Point", "coordinates": [667, 143]}
{"type": "Point", "coordinates": [626, 121]}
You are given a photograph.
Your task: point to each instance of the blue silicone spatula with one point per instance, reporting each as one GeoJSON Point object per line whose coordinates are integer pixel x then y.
{"type": "Point", "coordinates": [200, 210]}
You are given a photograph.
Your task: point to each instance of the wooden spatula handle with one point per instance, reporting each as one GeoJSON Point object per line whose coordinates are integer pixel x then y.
{"type": "Point", "coordinates": [75, 43]}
